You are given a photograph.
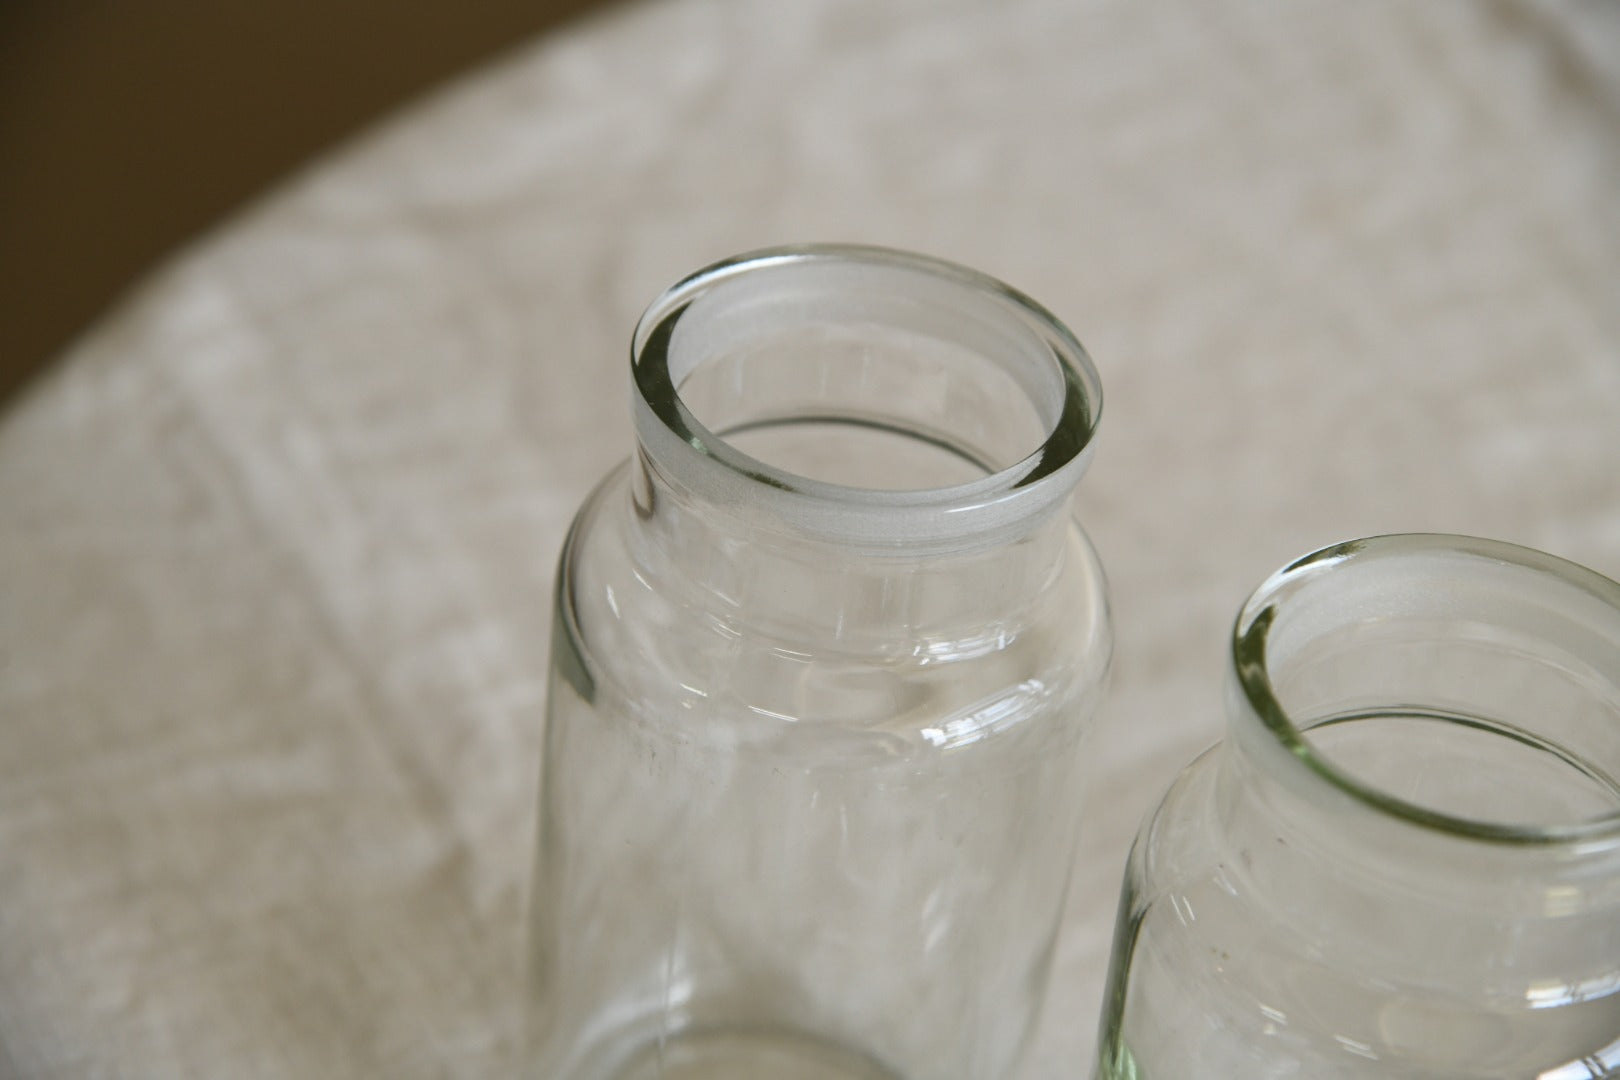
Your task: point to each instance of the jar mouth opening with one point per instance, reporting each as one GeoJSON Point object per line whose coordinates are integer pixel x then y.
{"type": "Point", "coordinates": [1266, 714]}
{"type": "Point", "coordinates": [1025, 360]}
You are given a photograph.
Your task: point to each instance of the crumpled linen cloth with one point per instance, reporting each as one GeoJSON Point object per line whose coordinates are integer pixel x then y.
{"type": "Point", "coordinates": [277, 536]}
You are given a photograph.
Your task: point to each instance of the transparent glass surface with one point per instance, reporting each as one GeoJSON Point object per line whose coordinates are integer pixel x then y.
{"type": "Point", "coordinates": [825, 652]}
{"type": "Point", "coordinates": [1404, 859]}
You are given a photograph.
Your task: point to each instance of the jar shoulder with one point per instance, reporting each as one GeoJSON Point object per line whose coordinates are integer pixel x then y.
{"type": "Point", "coordinates": [1180, 841]}
{"type": "Point", "coordinates": [840, 645]}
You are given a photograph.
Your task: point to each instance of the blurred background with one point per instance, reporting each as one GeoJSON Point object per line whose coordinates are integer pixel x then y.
{"type": "Point", "coordinates": [127, 127]}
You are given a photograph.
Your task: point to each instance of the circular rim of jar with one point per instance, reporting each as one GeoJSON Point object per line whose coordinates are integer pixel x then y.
{"type": "Point", "coordinates": [981, 510]}
{"type": "Point", "coordinates": [1249, 638]}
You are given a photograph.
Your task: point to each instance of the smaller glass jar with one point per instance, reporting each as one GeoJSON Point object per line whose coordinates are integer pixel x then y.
{"type": "Point", "coordinates": [1404, 859]}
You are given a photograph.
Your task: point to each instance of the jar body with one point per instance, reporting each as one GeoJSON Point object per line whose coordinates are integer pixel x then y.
{"type": "Point", "coordinates": [1417, 874]}
{"type": "Point", "coordinates": [808, 804]}
{"type": "Point", "coordinates": [763, 838]}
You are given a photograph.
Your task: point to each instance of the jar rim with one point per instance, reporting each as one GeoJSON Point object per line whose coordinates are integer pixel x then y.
{"type": "Point", "coordinates": [948, 516]}
{"type": "Point", "coordinates": [1250, 666]}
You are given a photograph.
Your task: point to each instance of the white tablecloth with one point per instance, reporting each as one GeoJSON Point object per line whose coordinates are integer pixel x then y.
{"type": "Point", "coordinates": [276, 539]}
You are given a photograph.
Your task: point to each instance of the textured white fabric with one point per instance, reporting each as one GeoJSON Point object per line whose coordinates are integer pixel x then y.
{"type": "Point", "coordinates": [277, 537]}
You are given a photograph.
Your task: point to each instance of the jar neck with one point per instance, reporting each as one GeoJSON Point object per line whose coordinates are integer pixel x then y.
{"type": "Point", "coordinates": [751, 574]}
{"type": "Point", "coordinates": [1435, 718]}
{"type": "Point", "coordinates": [871, 444]}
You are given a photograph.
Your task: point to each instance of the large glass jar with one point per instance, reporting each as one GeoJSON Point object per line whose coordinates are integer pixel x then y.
{"type": "Point", "coordinates": [825, 651]}
{"type": "Point", "coordinates": [1404, 860]}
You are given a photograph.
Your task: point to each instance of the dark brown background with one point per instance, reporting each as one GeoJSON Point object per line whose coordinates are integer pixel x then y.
{"type": "Point", "coordinates": [127, 126]}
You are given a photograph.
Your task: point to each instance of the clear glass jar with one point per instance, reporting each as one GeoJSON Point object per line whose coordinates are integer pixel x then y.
{"type": "Point", "coordinates": [825, 650]}
{"type": "Point", "coordinates": [1404, 859]}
